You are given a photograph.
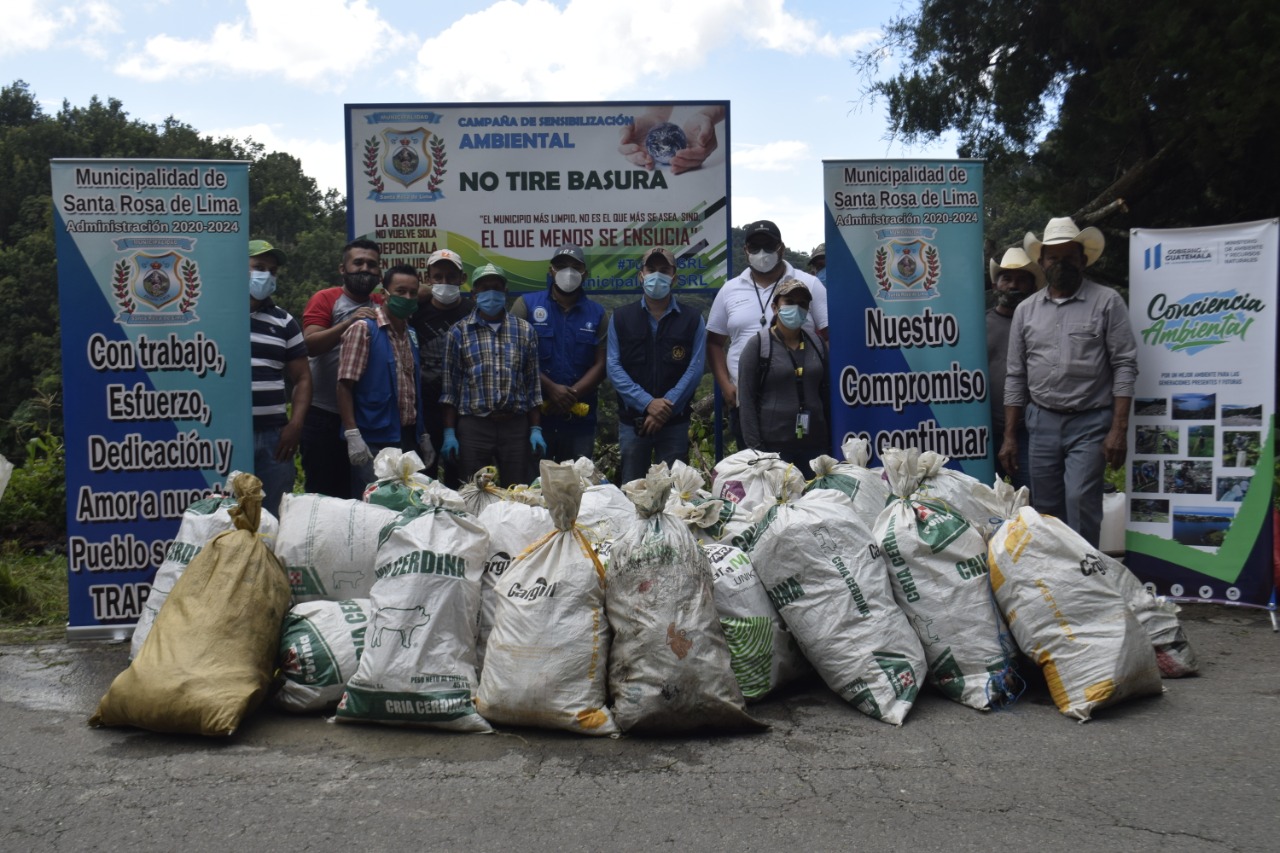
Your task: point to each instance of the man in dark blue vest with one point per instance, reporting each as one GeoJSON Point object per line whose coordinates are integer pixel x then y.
{"type": "Point", "coordinates": [571, 330]}
{"type": "Point", "coordinates": [656, 356]}
{"type": "Point", "coordinates": [379, 380]}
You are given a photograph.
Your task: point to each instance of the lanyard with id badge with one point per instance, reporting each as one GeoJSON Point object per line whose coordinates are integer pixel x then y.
{"type": "Point", "coordinates": [797, 369]}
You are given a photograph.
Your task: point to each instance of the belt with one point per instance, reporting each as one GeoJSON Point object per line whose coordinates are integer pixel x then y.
{"type": "Point", "coordinates": [503, 417]}
{"type": "Point", "coordinates": [1068, 411]}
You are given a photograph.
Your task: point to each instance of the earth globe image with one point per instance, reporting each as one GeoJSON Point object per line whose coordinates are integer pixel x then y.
{"type": "Point", "coordinates": [663, 141]}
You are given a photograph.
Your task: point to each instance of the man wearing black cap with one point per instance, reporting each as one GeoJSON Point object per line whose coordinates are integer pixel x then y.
{"type": "Point", "coordinates": [656, 357]}
{"type": "Point", "coordinates": [818, 262]}
{"type": "Point", "coordinates": [439, 306]}
{"type": "Point", "coordinates": [744, 306]}
{"type": "Point", "coordinates": [571, 354]}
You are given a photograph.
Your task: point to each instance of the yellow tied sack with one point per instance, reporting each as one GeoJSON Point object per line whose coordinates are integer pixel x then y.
{"type": "Point", "coordinates": [209, 658]}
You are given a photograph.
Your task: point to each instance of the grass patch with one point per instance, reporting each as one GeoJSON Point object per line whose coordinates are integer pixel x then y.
{"type": "Point", "coordinates": [33, 594]}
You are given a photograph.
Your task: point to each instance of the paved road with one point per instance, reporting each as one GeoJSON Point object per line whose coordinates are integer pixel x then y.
{"type": "Point", "coordinates": [1193, 770]}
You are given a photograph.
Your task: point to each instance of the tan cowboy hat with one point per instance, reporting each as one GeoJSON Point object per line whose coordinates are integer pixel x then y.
{"type": "Point", "coordinates": [1016, 259]}
{"type": "Point", "coordinates": [1063, 230]}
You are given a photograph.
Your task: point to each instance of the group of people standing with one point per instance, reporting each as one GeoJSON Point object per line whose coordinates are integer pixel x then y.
{"type": "Point", "coordinates": [476, 380]}
{"type": "Point", "coordinates": [387, 359]}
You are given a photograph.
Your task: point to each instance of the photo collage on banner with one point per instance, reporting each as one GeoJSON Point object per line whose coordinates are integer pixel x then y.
{"type": "Point", "coordinates": [1203, 306]}
{"type": "Point", "coordinates": [905, 288]}
{"type": "Point", "coordinates": [153, 283]}
{"type": "Point", "coordinates": [508, 184]}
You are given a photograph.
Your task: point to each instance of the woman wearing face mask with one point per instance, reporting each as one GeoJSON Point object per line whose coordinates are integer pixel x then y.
{"type": "Point", "coordinates": [782, 383]}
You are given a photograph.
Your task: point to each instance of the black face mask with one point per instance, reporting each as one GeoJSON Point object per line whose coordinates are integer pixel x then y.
{"type": "Point", "coordinates": [361, 283]}
{"type": "Point", "coordinates": [1010, 298]}
{"type": "Point", "coordinates": [1064, 278]}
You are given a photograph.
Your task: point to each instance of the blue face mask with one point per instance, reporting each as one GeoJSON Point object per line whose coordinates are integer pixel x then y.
{"type": "Point", "coordinates": [657, 285]}
{"type": "Point", "coordinates": [491, 302]}
{"type": "Point", "coordinates": [261, 284]}
{"type": "Point", "coordinates": [792, 316]}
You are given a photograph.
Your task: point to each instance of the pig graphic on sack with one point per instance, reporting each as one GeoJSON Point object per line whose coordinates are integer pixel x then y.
{"type": "Point", "coordinates": [402, 621]}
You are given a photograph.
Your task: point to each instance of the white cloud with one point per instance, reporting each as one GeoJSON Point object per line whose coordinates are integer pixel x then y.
{"type": "Point", "coordinates": [325, 161]}
{"type": "Point", "coordinates": [592, 49]}
{"type": "Point", "coordinates": [780, 156]}
{"type": "Point", "coordinates": [312, 42]}
{"type": "Point", "coordinates": [32, 26]}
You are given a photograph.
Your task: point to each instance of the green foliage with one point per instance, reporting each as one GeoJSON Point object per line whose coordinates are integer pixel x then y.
{"type": "Point", "coordinates": [1172, 111]}
{"type": "Point", "coordinates": [33, 510]}
{"type": "Point", "coordinates": [285, 207]}
{"type": "Point", "coordinates": [33, 588]}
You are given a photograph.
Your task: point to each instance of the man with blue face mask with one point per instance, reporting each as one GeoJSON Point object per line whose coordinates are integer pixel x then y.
{"type": "Point", "coordinates": [277, 352]}
{"type": "Point", "coordinates": [491, 389]}
{"type": "Point", "coordinates": [656, 355]}
{"type": "Point", "coordinates": [744, 306]}
{"type": "Point", "coordinates": [571, 331]}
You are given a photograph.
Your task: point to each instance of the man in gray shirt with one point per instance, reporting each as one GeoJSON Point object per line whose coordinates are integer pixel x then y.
{"type": "Point", "coordinates": [1071, 366]}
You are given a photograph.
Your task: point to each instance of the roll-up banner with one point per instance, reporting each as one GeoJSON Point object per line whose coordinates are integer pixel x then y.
{"type": "Point", "coordinates": [1200, 476]}
{"type": "Point", "coordinates": [509, 183]}
{"type": "Point", "coordinates": [153, 295]}
{"type": "Point", "coordinates": [905, 282]}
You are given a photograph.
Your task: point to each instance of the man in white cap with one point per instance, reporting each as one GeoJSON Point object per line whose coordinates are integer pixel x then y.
{"type": "Point", "coordinates": [1015, 278]}
{"type": "Point", "coordinates": [440, 305]}
{"type": "Point", "coordinates": [1071, 367]}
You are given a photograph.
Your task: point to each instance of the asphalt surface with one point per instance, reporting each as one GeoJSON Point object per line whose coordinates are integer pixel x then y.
{"type": "Point", "coordinates": [1193, 770]}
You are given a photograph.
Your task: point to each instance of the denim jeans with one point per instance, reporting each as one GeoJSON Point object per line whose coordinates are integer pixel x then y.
{"type": "Point", "coordinates": [640, 451]}
{"type": "Point", "coordinates": [324, 455]}
{"type": "Point", "coordinates": [277, 477]}
{"type": "Point", "coordinates": [567, 443]}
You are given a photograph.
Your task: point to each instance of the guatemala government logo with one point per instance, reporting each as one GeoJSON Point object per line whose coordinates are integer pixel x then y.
{"type": "Point", "coordinates": [408, 158]}
{"type": "Point", "coordinates": [906, 264]}
{"type": "Point", "coordinates": [154, 288]}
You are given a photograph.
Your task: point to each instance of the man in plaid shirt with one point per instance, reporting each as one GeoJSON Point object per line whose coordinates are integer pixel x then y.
{"type": "Point", "coordinates": [491, 391]}
{"type": "Point", "coordinates": [379, 372]}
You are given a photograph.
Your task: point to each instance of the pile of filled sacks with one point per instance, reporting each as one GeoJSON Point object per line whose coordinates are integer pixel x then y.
{"type": "Point", "coordinates": [658, 606]}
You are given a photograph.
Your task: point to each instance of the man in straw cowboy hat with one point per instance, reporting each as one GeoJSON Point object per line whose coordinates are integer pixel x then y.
{"type": "Point", "coordinates": [1070, 368]}
{"type": "Point", "coordinates": [1015, 278]}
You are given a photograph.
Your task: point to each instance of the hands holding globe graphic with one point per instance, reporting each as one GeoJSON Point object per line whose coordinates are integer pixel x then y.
{"type": "Point", "coordinates": [654, 141]}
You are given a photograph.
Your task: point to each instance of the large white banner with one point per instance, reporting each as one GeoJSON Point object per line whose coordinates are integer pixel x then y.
{"type": "Point", "coordinates": [1203, 306]}
{"type": "Point", "coordinates": [509, 183]}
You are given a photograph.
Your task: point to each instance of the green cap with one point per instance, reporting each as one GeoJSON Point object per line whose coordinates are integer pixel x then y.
{"type": "Point", "coordinates": [262, 247]}
{"type": "Point", "coordinates": [486, 271]}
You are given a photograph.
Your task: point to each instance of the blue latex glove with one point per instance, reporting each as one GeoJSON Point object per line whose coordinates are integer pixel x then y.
{"type": "Point", "coordinates": [449, 448]}
{"type": "Point", "coordinates": [537, 443]}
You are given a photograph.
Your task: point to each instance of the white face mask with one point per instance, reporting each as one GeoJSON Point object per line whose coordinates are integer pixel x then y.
{"type": "Point", "coordinates": [445, 294]}
{"type": "Point", "coordinates": [568, 279]}
{"type": "Point", "coordinates": [762, 261]}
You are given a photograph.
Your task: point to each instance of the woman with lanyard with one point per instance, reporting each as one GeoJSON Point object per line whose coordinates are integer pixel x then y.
{"type": "Point", "coordinates": [782, 383]}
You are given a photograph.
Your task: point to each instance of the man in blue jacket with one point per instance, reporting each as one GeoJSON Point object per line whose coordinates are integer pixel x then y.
{"type": "Point", "coordinates": [379, 377]}
{"type": "Point", "coordinates": [571, 332]}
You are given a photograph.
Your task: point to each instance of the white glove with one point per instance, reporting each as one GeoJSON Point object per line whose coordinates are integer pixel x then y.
{"type": "Point", "coordinates": [427, 451]}
{"type": "Point", "coordinates": [358, 452]}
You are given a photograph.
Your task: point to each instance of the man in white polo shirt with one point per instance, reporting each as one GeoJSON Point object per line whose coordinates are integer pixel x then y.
{"type": "Point", "coordinates": [744, 306]}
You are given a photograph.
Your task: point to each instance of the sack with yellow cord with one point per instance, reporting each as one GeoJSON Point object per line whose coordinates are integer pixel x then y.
{"type": "Point", "coordinates": [209, 658]}
{"type": "Point", "coordinates": [545, 660]}
{"type": "Point", "coordinates": [1068, 616]}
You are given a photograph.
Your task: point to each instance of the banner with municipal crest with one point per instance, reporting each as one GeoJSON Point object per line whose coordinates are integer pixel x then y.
{"type": "Point", "coordinates": [509, 183]}
{"type": "Point", "coordinates": [153, 297]}
{"type": "Point", "coordinates": [1202, 433]}
{"type": "Point", "coordinates": [905, 293]}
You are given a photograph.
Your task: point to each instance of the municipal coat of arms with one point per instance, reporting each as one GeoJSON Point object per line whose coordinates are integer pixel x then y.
{"type": "Point", "coordinates": [907, 269]}
{"type": "Point", "coordinates": [405, 157]}
{"type": "Point", "coordinates": [156, 289]}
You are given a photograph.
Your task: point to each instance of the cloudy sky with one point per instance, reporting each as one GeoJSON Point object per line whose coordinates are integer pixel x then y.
{"type": "Point", "coordinates": [280, 71]}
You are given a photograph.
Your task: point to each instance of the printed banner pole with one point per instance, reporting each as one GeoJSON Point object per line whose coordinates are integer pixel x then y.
{"type": "Point", "coordinates": [905, 283]}
{"type": "Point", "coordinates": [1203, 306]}
{"type": "Point", "coordinates": [509, 183]}
{"type": "Point", "coordinates": [153, 290]}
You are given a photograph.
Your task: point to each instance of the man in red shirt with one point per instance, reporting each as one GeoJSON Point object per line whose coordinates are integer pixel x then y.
{"type": "Point", "coordinates": [328, 315]}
